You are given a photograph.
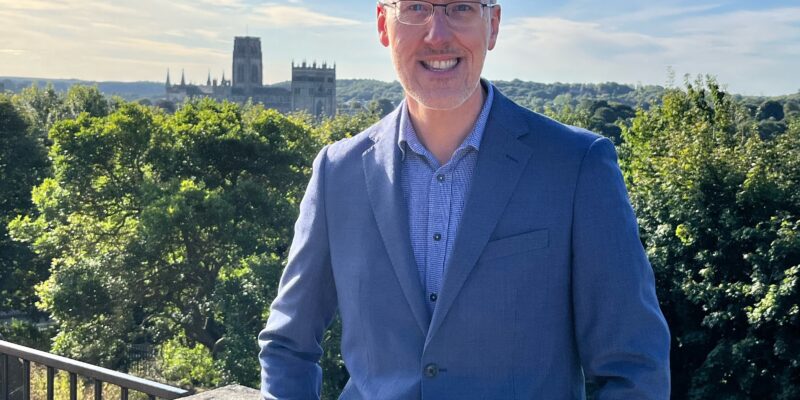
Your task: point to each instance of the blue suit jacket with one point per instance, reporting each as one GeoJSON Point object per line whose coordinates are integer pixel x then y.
{"type": "Point", "coordinates": [548, 280]}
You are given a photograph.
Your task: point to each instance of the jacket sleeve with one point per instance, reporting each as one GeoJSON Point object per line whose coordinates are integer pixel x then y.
{"type": "Point", "coordinates": [304, 306]}
{"type": "Point", "coordinates": [623, 339]}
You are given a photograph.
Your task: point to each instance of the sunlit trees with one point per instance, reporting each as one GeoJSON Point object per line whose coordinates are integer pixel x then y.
{"type": "Point", "coordinates": [163, 226]}
{"type": "Point", "coordinates": [23, 164]}
{"type": "Point", "coordinates": [719, 210]}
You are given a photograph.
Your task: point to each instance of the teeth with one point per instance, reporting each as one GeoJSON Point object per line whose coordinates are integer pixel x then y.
{"type": "Point", "coordinates": [441, 65]}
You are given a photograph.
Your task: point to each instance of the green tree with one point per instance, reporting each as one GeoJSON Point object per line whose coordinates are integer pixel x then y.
{"type": "Point", "coordinates": [23, 164]}
{"type": "Point", "coordinates": [770, 109]}
{"type": "Point", "coordinates": [43, 108]}
{"type": "Point", "coordinates": [88, 99]}
{"type": "Point", "coordinates": [719, 211]}
{"type": "Point", "coordinates": [344, 126]}
{"type": "Point", "coordinates": [381, 107]}
{"type": "Point", "coordinates": [167, 226]}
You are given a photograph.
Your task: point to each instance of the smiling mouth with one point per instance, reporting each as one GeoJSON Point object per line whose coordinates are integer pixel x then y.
{"type": "Point", "coordinates": [441, 65]}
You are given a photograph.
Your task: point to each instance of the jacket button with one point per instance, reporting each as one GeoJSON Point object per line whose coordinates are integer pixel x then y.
{"type": "Point", "coordinates": [431, 370]}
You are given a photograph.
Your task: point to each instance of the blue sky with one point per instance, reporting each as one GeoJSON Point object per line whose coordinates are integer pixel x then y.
{"type": "Point", "coordinates": [752, 47]}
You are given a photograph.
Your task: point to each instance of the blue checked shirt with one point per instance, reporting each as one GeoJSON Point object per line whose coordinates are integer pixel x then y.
{"type": "Point", "coordinates": [436, 195]}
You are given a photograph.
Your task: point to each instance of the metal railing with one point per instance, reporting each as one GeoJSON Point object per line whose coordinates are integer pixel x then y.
{"type": "Point", "coordinates": [99, 375]}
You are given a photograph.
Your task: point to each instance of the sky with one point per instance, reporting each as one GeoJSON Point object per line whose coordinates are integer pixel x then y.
{"type": "Point", "coordinates": [751, 46]}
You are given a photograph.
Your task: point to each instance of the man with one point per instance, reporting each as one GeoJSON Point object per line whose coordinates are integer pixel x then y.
{"type": "Point", "coordinates": [473, 249]}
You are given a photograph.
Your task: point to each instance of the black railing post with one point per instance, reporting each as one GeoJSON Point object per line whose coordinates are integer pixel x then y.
{"type": "Point", "coordinates": [26, 380]}
{"type": "Point", "coordinates": [5, 387]}
{"type": "Point", "coordinates": [51, 377]}
{"type": "Point", "coordinates": [98, 389]}
{"type": "Point", "coordinates": [73, 386]}
{"type": "Point", "coordinates": [123, 393]}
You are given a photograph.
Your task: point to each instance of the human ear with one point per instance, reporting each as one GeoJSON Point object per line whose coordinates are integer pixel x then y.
{"type": "Point", "coordinates": [496, 13]}
{"type": "Point", "coordinates": [383, 34]}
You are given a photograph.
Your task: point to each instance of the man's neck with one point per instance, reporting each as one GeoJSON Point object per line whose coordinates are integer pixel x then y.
{"type": "Point", "coordinates": [442, 131]}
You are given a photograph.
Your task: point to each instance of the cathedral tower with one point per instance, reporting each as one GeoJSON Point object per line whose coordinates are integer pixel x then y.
{"type": "Point", "coordinates": [247, 65]}
{"type": "Point", "coordinates": [314, 88]}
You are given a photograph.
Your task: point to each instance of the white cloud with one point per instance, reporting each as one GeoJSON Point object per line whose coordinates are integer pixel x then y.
{"type": "Point", "coordinates": [659, 12]}
{"type": "Point", "coordinates": [740, 48]}
{"type": "Point", "coordinates": [283, 16]}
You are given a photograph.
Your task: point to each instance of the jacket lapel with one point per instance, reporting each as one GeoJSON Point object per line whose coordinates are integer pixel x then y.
{"type": "Point", "coordinates": [501, 160]}
{"type": "Point", "coordinates": [382, 165]}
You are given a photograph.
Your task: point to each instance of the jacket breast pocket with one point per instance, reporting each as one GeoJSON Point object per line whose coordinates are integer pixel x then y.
{"type": "Point", "coordinates": [520, 243]}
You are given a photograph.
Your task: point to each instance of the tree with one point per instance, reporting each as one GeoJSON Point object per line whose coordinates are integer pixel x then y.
{"type": "Point", "coordinates": [719, 213]}
{"type": "Point", "coordinates": [88, 99]}
{"type": "Point", "coordinates": [23, 163]}
{"type": "Point", "coordinates": [43, 107]}
{"type": "Point", "coordinates": [381, 107]}
{"type": "Point", "coordinates": [162, 227]}
{"type": "Point", "coordinates": [770, 109]}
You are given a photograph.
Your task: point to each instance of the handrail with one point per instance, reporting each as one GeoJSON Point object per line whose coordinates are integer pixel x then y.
{"type": "Point", "coordinates": [101, 374]}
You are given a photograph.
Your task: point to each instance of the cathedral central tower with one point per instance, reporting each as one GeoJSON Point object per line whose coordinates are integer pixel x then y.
{"type": "Point", "coordinates": [247, 65]}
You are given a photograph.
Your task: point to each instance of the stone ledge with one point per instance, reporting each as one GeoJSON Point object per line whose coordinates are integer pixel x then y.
{"type": "Point", "coordinates": [232, 392]}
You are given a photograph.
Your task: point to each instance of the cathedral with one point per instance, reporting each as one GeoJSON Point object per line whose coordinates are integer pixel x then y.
{"type": "Point", "coordinates": [313, 87]}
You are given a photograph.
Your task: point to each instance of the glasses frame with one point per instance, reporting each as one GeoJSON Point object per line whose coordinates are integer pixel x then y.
{"type": "Point", "coordinates": [393, 4]}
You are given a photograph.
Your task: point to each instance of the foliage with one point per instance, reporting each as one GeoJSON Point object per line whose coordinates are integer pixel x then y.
{"type": "Point", "coordinates": [160, 226]}
{"type": "Point", "coordinates": [770, 109]}
{"type": "Point", "coordinates": [344, 126]}
{"type": "Point", "coordinates": [188, 364]}
{"type": "Point", "coordinates": [595, 115]}
{"type": "Point", "coordinates": [533, 95]}
{"type": "Point", "coordinates": [23, 163]}
{"type": "Point", "coordinates": [719, 212]}
{"type": "Point", "coordinates": [25, 333]}
{"type": "Point", "coordinates": [44, 107]}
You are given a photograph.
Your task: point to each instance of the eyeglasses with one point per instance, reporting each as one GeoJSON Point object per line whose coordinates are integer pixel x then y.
{"type": "Point", "coordinates": [459, 14]}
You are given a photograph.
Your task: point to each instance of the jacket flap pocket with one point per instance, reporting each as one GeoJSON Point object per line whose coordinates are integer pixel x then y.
{"type": "Point", "coordinates": [520, 243]}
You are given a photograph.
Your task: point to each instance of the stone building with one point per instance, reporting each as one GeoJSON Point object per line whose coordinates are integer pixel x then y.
{"type": "Point", "coordinates": [312, 89]}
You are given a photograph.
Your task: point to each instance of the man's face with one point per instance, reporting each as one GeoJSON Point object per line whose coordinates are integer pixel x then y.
{"type": "Point", "coordinates": [439, 66]}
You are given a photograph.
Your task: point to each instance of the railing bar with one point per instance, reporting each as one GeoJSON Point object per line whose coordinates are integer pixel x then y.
{"type": "Point", "coordinates": [98, 389]}
{"type": "Point", "coordinates": [4, 384]}
{"type": "Point", "coordinates": [123, 393]}
{"type": "Point", "coordinates": [51, 374]}
{"type": "Point", "coordinates": [92, 371]}
{"type": "Point", "coordinates": [26, 380]}
{"type": "Point", "coordinates": [73, 386]}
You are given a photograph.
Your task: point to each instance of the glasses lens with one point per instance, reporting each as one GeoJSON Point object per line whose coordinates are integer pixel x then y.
{"type": "Point", "coordinates": [414, 12]}
{"type": "Point", "coordinates": [464, 13]}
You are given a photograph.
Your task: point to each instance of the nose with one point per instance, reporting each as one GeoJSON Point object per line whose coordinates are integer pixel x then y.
{"type": "Point", "coordinates": [439, 31]}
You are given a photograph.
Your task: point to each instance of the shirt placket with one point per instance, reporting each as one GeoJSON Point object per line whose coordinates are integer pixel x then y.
{"type": "Point", "coordinates": [439, 199]}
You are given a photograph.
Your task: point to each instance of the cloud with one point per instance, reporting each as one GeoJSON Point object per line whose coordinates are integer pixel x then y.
{"type": "Point", "coordinates": [13, 52]}
{"type": "Point", "coordinates": [741, 48]}
{"type": "Point", "coordinates": [659, 12]}
{"type": "Point", "coordinates": [283, 16]}
{"type": "Point", "coordinates": [32, 5]}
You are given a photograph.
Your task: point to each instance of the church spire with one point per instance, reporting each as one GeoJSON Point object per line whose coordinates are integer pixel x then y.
{"type": "Point", "coordinates": [183, 79]}
{"type": "Point", "coordinates": [208, 82]}
{"type": "Point", "coordinates": [168, 83]}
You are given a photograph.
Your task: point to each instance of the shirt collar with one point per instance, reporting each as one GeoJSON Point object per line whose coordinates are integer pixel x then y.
{"type": "Point", "coordinates": [408, 136]}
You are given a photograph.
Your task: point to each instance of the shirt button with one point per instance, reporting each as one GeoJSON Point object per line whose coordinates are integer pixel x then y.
{"type": "Point", "coordinates": [437, 236]}
{"type": "Point", "coordinates": [431, 370]}
{"type": "Point", "coordinates": [434, 297]}
{"type": "Point", "coordinates": [440, 177]}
